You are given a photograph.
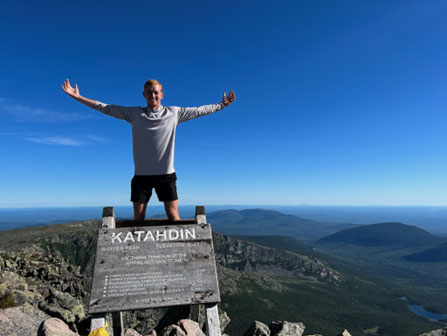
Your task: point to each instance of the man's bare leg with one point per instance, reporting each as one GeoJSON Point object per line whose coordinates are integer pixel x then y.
{"type": "Point", "coordinates": [139, 211]}
{"type": "Point", "coordinates": [171, 208]}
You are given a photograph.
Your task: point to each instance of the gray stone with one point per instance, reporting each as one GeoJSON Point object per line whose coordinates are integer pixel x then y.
{"type": "Point", "coordinates": [184, 327]}
{"type": "Point", "coordinates": [131, 332]}
{"type": "Point", "coordinates": [191, 328]}
{"type": "Point", "coordinates": [224, 320]}
{"type": "Point", "coordinates": [344, 333]}
{"type": "Point", "coordinates": [55, 327]}
{"type": "Point", "coordinates": [439, 332]}
{"type": "Point", "coordinates": [286, 328]}
{"type": "Point", "coordinates": [63, 306]}
{"type": "Point", "coordinates": [21, 321]}
{"type": "Point", "coordinates": [258, 329]}
{"type": "Point", "coordinates": [173, 330]}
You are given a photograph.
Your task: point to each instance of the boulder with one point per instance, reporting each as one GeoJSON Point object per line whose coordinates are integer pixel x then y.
{"type": "Point", "coordinates": [21, 321]}
{"type": "Point", "coordinates": [131, 332]}
{"type": "Point", "coordinates": [173, 330]}
{"type": "Point", "coordinates": [258, 329]}
{"type": "Point", "coordinates": [144, 321]}
{"type": "Point", "coordinates": [286, 328]}
{"type": "Point", "coordinates": [184, 327]}
{"type": "Point", "coordinates": [63, 306]}
{"type": "Point", "coordinates": [55, 327]}
{"type": "Point", "coordinates": [439, 332]}
{"type": "Point", "coordinates": [190, 327]}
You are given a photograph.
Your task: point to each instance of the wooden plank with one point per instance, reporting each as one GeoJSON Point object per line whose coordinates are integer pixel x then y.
{"type": "Point", "coordinates": [200, 218]}
{"type": "Point", "coordinates": [108, 212]}
{"type": "Point", "coordinates": [200, 215]}
{"type": "Point", "coordinates": [98, 320]}
{"type": "Point", "coordinates": [212, 320]}
{"type": "Point", "coordinates": [117, 319]}
{"type": "Point", "coordinates": [194, 313]}
{"type": "Point", "coordinates": [108, 218]}
{"type": "Point", "coordinates": [149, 267]}
{"type": "Point", "coordinates": [211, 310]}
{"type": "Point", "coordinates": [122, 223]}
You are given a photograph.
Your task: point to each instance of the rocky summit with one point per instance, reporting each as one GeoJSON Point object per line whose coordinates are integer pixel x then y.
{"type": "Point", "coordinates": [44, 287]}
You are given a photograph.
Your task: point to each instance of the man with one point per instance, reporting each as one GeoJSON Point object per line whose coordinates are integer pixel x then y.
{"type": "Point", "coordinates": [153, 135]}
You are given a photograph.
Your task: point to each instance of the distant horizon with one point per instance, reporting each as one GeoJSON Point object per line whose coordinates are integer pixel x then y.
{"type": "Point", "coordinates": [228, 205]}
{"type": "Point", "coordinates": [430, 218]}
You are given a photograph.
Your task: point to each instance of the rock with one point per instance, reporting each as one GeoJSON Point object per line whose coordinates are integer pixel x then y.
{"type": "Point", "coordinates": [63, 306]}
{"type": "Point", "coordinates": [245, 256]}
{"type": "Point", "coordinates": [286, 329]}
{"type": "Point", "coordinates": [224, 320]}
{"type": "Point", "coordinates": [345, 333]}
{"type": "Point", "coordinates": [21, 321]}
{"type": "Point", "coordinates": [439, 332]}
{"type": "Point", "coordinates": [131, 332]}
{"type": "Point", "coordinates": [191, 328]}
{"type": "Point", "coordinates": [144, 321]}
{"type": "Point", "coordinates": [7, 299]}
{"type": "Point", "coordinates": [172, 316]}
{"type": "Point", "coordinates": [258, 329]}
{"type": "Point", "coordinates": [32, 273]}
{"type": "Point", "coordinates": [184, 327]}
{"type": "Point", "coordinates": [55, 327]}
{"type": "Point", "coordinates": [173, 330]}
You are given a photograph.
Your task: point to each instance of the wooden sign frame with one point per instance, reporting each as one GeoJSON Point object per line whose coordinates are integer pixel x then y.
{"type": "Point", "coordinates": [154, 263]}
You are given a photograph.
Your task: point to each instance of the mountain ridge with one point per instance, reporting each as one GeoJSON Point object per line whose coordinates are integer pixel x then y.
{"type": "Point", "coordinates": [270, 222]}
{"type": "Point", "coordinates": [435, 254]}
{"type": "Point", "coordinates": [384, 234]}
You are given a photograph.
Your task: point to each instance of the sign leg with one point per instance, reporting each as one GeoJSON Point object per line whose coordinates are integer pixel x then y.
{"type": "Point", "coordinates": [118, 329]}
{"type": "Point", "coordinates": [97, 321]}
{"type": "Point", "coordinates": [212, 319]}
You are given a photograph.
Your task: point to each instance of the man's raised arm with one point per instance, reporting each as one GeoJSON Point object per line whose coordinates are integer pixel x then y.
{"type": "Point", "coordinates": [188, 113]}
{"type": "Point", "coordinates": [74, 93]}
{"type": "Point", "coordinates": [116, 111]}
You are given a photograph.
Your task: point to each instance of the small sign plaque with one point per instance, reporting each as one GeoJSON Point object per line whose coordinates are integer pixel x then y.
{"type": "Point", "coordinates": [154, 266]}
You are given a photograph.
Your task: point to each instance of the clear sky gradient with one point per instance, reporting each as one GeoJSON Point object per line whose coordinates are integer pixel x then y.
{"type": "Point", "coordinates": [337, 102]}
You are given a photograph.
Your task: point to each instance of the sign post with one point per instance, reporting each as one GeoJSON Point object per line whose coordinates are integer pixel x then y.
{"type": "Point", "coordinates": [154, 263]}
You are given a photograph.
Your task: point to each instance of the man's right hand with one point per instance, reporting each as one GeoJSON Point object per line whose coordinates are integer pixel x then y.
{"type": "Point", "coordinates": [228, 100]}
{"type": "Point", "coordinates": [73, 92]}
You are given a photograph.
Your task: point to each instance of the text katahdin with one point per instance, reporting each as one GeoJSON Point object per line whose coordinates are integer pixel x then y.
{"type": "Point", "coordinates": [158, 235]}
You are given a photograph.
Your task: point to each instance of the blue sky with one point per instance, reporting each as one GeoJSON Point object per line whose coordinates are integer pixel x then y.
{"type": "Point", "coordinates": [337, 102]}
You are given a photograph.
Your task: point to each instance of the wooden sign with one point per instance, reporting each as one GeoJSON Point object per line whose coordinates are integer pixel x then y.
{"type": "Point", "coordinates": [154, 266]}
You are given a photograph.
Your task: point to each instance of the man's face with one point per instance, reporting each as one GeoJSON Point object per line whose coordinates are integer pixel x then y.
{"type": "Point", "coordinates": [153, 95]}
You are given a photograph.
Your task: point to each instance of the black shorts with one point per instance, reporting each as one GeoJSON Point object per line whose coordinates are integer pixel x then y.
{"type": "Point", "coordinates": [141, 187]}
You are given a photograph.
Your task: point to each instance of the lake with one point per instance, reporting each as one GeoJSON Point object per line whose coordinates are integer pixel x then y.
{"type": "Point", "coordinates": [427, 314]}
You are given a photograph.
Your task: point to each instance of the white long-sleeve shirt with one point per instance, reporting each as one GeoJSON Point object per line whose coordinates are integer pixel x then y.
{"type": "Point", "coordinates": [153, 132]}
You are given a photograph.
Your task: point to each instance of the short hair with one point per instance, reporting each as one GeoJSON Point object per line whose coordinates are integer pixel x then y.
{"type": "Point", "coordinates": [152, 82]}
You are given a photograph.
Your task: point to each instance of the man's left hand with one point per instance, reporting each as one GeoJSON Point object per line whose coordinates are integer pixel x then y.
{"type": "Point", "coordinates": [228, 100]}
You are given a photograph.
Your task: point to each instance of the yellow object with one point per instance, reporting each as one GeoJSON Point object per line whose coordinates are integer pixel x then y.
{"type": "Point", "coordinates": [100, 331]}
